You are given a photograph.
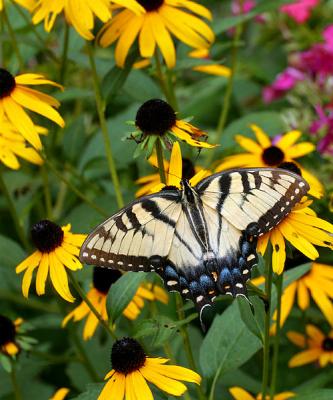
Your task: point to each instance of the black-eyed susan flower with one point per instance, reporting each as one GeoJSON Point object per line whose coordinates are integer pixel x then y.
{"type": "Point", "coordinates": [8, 331]}
{"type": "Point", "coordinates": [60, 394]}
{"type": "Point", "coordinates": [78, 13]}
{"type": "Point", "coordinates": [240, 394]}
{"type": "Point", "coordinates": [15, 96]}
{"type": "Point", "coordinates": [156, 120]}
{"type": "Point", "coordinates": [149, 182]}
{"type": "Point", "coordinates": [103, 278]}
{"type": "Point", "coordinates": [316, 347]}
{"type": "Point", "coordinates": [132, 369]}
{"type": "Point", "coordinates": [209, 68]}
{"type": "Point", "coordinates": [303, 230]}
{"type": "Point", "coordinates": [57, 249]}
{"type": "Point", "coordinates": [267, 152]}
{"type": "Point", "coordinates": [317, 285]}
{"type": "Point", "coordinates": [160, 19]}
{"type": "Point", "coordinates": [13, 145]}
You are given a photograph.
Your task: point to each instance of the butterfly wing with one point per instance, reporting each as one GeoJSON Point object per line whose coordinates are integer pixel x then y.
{"type": "Point", "coordinates": [137, 237]}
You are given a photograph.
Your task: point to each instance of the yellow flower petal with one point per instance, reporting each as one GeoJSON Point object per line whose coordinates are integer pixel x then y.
{"type": "Point", "coordinates": [314, 333]}
{"type": "Point", "coordinates": [248, 144]}
{"type": "Point", "coordinates": [176, 372]}
{"type": "Point", "coordinates": [305, 357]}
{"type": "Point", "coordinates": [170, 386]}
{"type": "Point", "coordinates": [42, 273]}
{"type": "Point", "coordinates": [67, 259]}
{"type": "Point", "coordinates": [323, 302]}
{"type": "Point", "coordinates": [263, 139]}
{"type": "Point", "coordinates": [11, 348]}
{"type": "Point", "coordinates": [287, 302]}
{"type": "Point", "coordinates": [288, 139]}
{"type": "Point", "coordinates": [147, 42]}
{"type": "Point", "coordinates": [36, 105]}
{"type": "Point", "coordinates": [192, 6]}
{"type": "Point", "coordinates": [303, 298]}
{"type": "Point", "coordinates": [22, 122]}
{"type": "Point", "coordinates": [213, 69]}
{"type": "Point", "coordinates": [26, 281]}
{"type": "Point", "coordinates": [324, 359]}
{"type": "Point", "coordinates": [279, 251]}
{"type": "Point", "coordinates": [139, 387]}
{"type": "Point", "coordinates": [60, 394]}
{"type": "Point", "coordinates": [240, 394]}
{"type": "Point", "coordinates": [263, 242]}
{"type": "Point", "coordinates": [297, 338]}
{"type": "Point", "coordinates": [186, 137]}
{"type": "Point", "coordinates": [284, 396]}
{"type": "Point", "coordinates": [59, 278]}
{"type": "Point", "coordinates": [301, 149]}
{"type": "Point", "coordinates": [240, 160]}
{"type": "Point", "coordinates": [31, 261]}
{"type": "Point", "coordinates": [114, 389]}
{"type": "Point", "coordinates": [175, 168]}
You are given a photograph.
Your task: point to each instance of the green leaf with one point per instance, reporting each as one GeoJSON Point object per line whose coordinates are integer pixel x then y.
{"type": "Point", "coordinates": [11, 252]}
{"type": "Point", "coordinates": [122, 292]}
{"type": "Point", "coordinates": [141, 87]}
{"type": "Point", "coordinates": [293, 274]}
{"type": "Point", "coordinates": [6, 363]}
{"type": "Point", "coordinates": [321, 394]}
{"type": "Point", "coordinates": [230, 22]}
{"type": "Point", "coordinates": [228, 344]}
{"type": "Point", "coordinates": [253, 315]}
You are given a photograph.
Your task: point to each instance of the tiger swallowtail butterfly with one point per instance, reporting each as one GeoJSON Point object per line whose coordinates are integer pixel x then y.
{"type": "Point", "coordinates": [201, 240]}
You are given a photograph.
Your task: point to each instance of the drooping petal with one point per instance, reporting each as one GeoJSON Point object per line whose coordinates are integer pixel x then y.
{"type": "Point", "coordinates": [301, 149]}
{"type": "Point", "coordinates": [42, 273]}
{"type": "Point", "coordinates": [279, 251]}
{"type": "Point", "coordinates": [67, 259]}
{"type": "Point", "coordinates": [114, 389]}
{"type": "Point", "coordinates": [297, 338]}
{"type": "Point", "coordinates": [140, 387]}
{"type": "Point", "coordinates": [59, 278]}
{"type": "Point", "coordinates": [248, 144]}
{"type": "Point", "coordinates": [175, 372]}
{"type": "Point", "coordinates": [147, 42]}
{"type": "Point", "coordinates": [168, 385]}
{"type": "Point", "coordinates": [192, 6]}
{"type": "Point", "coordinates": [31, 261]}
{"type": "Point", "coordinates": [314, 333]}
{"type": "Point", "coordinates": [303, 298]}
{"type": "Point", "coordinates": [287, 302]}
{"type": "Point", "coordinates": [175, 167]}
{"type": "Point", "coordinates": [163, 39]}
{"type": "Point", "coordinates": [26, 281]}
{"type": "Point", "coordinates": [240, 160]}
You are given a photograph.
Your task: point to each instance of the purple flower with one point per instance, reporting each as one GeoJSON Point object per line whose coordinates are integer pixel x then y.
{"type": "Point", "coordinates": [324, 122]}
{"type": "Point", "coordinates": [328, 37]}
{"type": "Point", "coordinates": [300, 10]}
{"type": "Point", "coordinates": [285, 81]}
{"type": "Point", "coordinates": [238, 8]}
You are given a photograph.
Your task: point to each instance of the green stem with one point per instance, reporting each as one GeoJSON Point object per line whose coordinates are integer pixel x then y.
{"type": "Point", "coordinates": [100, 104]}
{"type": "Point", "coordinates": [62, 178]}
{"type": "Point", "coordinates": [47, 194]}
{"type": "Point", "coordinates": [268, 290]}
{"type": "Point", "coordinates": [172, 94]}
{"type": "Point", "coordinates": [276, 344]}
{"type": "Point", "coordinates": [64, 60]}
{"type": "Point", "coordinates": [159, 153]}
{"type": "Point", "coordinates": [90, 305]}
{"type": "Point", "coordinates": [32, 303]}
{"type": "Point", "coordinates": [212, 389]}
{"type": "Point", "coordinates": [16, 389]}
{"type": "Point", "coordinates": [12, 209]}
{"type": "Point", "coordinates": [13, 39]}
{"type": "Point", "coordinates": [162, 81]}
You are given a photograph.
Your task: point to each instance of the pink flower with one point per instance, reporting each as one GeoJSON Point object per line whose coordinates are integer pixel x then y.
{"type": "Point", "coordinates": [324, 122]}
{"type": "Point", "coordinates": [328, 36]}
{"type": "Point", "coordinates": [285, 81]}
{"type": "Point", "coordinates": [299, 10]}
{"type": "Point", "coordinates": [237, 8]}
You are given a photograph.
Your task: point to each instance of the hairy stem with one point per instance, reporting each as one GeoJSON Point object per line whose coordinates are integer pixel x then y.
{"type": "Point", "coordinates": [159, 153]}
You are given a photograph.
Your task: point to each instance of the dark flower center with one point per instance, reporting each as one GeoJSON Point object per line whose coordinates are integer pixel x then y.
{"type": "Point", "coordinates": [151, 5]}
{"type": "Point", "coordinates": [297, 259]}
{"type": "Point", "coordinates": [290, 166]}
{"type": "Point", "coordinates": [155, 117]}
{"type": "Point", "coordinates": [327, 344]}
{"type": "Point", "coordinates": [127, 355]}
{"type": "Point", "coordinates": [47, 236]}
{"type": "Point", "coordinates": [7, 330]}
{"type": "Point", "coordinates": [7, 83]}
{"type": "Point", "coordinates": [273, 155]}
{"type": "Point", "coordinates": [188, 170]}
{"type": "Point", "coordinates": [103, 278]}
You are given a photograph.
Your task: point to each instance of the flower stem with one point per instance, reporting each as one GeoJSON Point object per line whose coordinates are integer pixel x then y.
{"type": "Point", "coordinates": [159, 153]}
{"type": "Point", "coordinates": [13, 39]}
{"type": "Point", "coordinates": [100, 104]}
{"type": "Point", "coordinates": [64, 60]}
{"type": "Point", "coordinates": [62, 178]}
{"type": "Point", "coordinates": [12, 209]}
{"type": "Point", "coordinates": [165, 83]}
{"type": "Point", "coordinates": [276, 344]}
{"type": "Point", "coordinates": [268, 291]}
{"type": "Point", "coordinates": [16, 389]}
{"type": "Point", "coordinates": [90, 305]}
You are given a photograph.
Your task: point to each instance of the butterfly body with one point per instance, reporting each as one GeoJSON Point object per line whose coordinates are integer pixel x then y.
{"type": "Point", "coordinates": [201, 240]}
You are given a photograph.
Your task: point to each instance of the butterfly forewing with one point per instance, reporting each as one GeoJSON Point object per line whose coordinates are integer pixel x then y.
{"type": "Point", "coordinates": [131, 237]}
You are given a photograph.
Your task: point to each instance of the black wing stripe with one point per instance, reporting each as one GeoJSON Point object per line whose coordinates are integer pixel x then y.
{"type": "Point", "coordinates": [152, 207]}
